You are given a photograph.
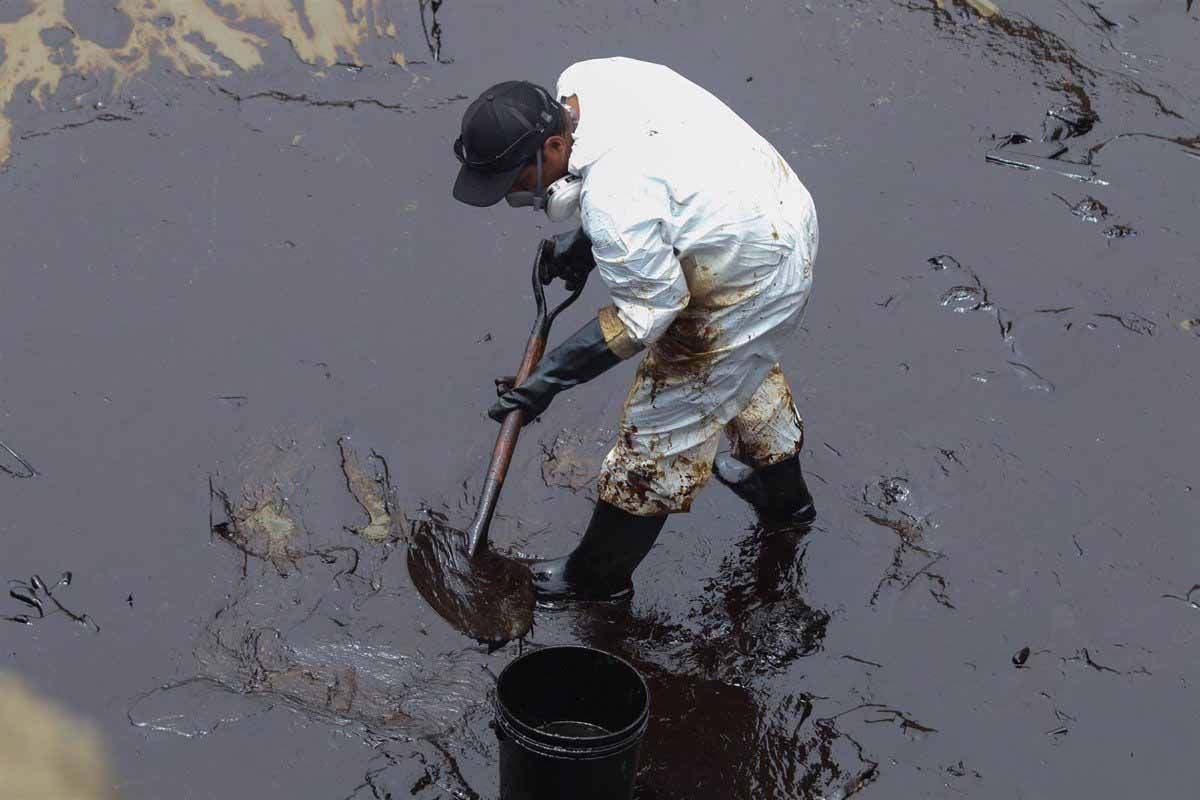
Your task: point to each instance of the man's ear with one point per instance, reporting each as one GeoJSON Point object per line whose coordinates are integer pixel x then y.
{"type": "Point", "coordinates": [557, 153]}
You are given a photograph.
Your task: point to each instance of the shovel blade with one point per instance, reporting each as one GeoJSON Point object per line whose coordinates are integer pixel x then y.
{"type": "Point", "coordinates": [488, 597]}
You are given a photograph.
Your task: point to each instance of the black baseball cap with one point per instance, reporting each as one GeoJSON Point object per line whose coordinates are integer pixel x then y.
{"type": "Point", "coordinates": [502, 131]}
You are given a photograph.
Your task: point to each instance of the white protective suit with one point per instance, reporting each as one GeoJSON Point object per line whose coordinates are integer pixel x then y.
{"type": "Point", "coordinates": [706, 240]}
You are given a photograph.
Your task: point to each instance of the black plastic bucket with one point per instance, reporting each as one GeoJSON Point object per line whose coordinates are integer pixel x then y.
{"type": "Point", "coordinates": [570, 722]}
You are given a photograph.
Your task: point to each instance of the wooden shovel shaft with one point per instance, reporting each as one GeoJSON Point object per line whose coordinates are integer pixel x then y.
{"type": "Point", "coordinates": [506, 443]}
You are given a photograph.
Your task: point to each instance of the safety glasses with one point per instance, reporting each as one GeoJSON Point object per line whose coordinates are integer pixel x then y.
{"type": "Point", "coordinates": [537, 198]}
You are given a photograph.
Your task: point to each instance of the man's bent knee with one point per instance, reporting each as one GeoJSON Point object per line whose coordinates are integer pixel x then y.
{"type": "Point", "coordinates": [649, 486]}
{"type": "Point", "coordinates": [769, 430]}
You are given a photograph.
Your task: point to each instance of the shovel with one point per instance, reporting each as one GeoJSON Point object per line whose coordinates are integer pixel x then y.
{"type": "Point", "coordinates": [481, 593]}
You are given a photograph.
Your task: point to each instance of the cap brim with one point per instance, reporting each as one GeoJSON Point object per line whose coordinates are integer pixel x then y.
{"type": "Point", "coordinates": [482, 189]}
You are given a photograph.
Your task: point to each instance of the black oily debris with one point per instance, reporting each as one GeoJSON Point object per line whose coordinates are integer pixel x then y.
{"type": "Point", "coordinates": [1135, 323]}
{"type": "Point", "coordinates": [1119, 232]}
{"type": "Point", "coordinates": [1075, 122]}
{"type": "Point", "coordinates": [1187, 598]}
{"type": "Point", "coordinates": [1086, 657]}
{"type": "Point", "coordinates": [1020, 657]}
{"type": "Point", "coordinates": [894, 490]}
{"type": "Point", "coordinates": [960, 770]}
{"type": "Point", "coordinates": [35, 595]}
{"type": "Point", "coordinates": [943, 262]}
{"type": "Point", "coordinates": [964, 298]}
{"type": "Point", "coordinates": [1013, 138]}
{"type": "Point", "coordinates": [27, 470]}
{"type": "Point", "coordinates": [1089, 209]}
{"type": "Point", "coordinates": [887, 714]}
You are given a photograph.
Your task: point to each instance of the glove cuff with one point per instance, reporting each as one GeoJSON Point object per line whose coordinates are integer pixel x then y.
{"type": "Point", "coordinates": [616, 335]}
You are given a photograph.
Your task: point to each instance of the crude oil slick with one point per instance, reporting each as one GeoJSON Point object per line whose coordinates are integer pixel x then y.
{"type": "Point", "coordinates": [247, 340]}
{"type": "Point", "coordinates": [292, 630]}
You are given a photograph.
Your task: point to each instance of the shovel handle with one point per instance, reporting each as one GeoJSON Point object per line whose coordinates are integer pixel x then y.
{"type": "Point", "coordinates": [510, 430]}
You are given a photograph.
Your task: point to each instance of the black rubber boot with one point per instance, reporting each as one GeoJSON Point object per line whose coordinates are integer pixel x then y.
{"type": "Point", "coordinates": [601, 566]}
{"type": "Point", "coordinates": [778, 492]}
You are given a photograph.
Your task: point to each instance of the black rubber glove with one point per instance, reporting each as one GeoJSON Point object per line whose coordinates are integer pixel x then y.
{"type": "Point", "coordinates": [567, 256]}
{"type": "Point", "coordinates": [583, 356]}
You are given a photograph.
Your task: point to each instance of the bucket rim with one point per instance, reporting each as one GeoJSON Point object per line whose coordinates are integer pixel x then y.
{"type": "Point", "coordinates": [618, 738]}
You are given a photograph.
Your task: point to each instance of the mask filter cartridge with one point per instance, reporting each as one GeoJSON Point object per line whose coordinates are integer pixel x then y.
{"type": "Point", "coordinates": [563, 198]}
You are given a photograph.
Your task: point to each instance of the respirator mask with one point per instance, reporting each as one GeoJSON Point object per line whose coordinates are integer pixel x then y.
{"type": "Point", "coordinates": [560, 200]}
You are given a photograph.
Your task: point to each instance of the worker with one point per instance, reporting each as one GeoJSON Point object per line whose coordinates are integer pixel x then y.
{"type": "Point", "coordinates": [705, 238]}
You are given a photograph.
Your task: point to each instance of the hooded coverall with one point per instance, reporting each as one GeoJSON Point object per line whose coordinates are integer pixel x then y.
{"type": "Point", "coordinates": [705, 238]}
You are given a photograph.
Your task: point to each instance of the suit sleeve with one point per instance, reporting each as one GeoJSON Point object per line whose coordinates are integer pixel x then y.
{"type": "Point", "coordinates": [635, 258]}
